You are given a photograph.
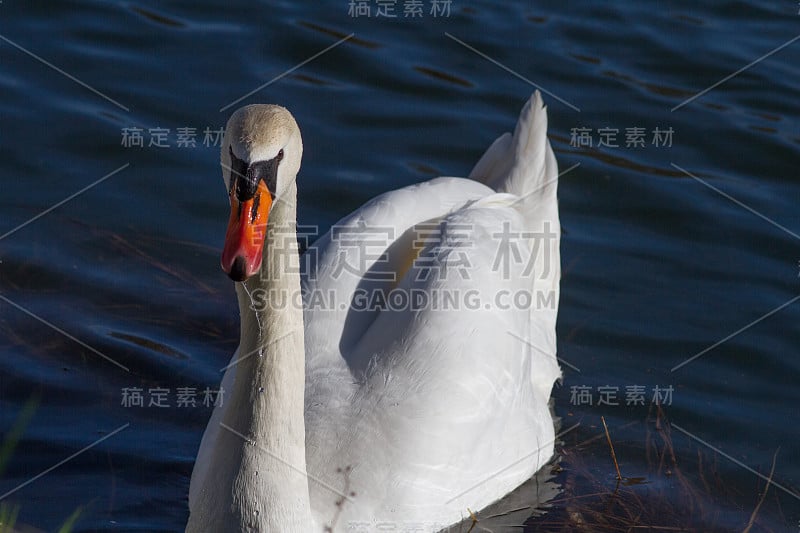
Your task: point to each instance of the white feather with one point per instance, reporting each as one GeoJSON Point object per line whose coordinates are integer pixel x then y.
{"type": "Point", "coordinates": [423, 414]}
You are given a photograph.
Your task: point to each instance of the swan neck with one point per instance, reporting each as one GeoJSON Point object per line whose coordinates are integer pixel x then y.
{"type": "Point", "coordinates": [268, 400]}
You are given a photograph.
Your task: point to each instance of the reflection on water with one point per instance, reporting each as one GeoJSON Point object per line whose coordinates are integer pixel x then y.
{"type": "Point", "coordinates": [667, 250]}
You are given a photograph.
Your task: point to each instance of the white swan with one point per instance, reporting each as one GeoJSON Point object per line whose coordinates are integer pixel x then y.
{"type": "Point", "coordinates": [362, 414]}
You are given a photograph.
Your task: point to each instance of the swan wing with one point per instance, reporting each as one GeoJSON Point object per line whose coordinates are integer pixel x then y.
{"type": "Point", "coordinates": [442, 405]}
{"type": "Point", "coordinates": [428, 409]}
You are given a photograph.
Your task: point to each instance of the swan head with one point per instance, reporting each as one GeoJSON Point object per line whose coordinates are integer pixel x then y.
{"type": "Point", "coordinates": [261, 154]}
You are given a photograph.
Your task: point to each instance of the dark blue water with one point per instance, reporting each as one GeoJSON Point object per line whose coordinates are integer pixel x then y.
{"type": "Point", "coordinates": [658, 266]}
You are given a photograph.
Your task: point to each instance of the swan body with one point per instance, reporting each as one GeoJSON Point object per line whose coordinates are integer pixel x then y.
{"type": "Point", "coordinates": [355, 412]}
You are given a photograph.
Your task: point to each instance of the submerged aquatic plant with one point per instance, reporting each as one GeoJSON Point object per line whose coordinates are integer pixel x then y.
{"type": "Point", "coordinates": [10, 512]}
{"type": "Point", "coordinates": [674, 493]}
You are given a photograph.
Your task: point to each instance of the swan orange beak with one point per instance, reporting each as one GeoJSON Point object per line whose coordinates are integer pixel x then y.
{"type": "Point", "coordinates": [244, 239]}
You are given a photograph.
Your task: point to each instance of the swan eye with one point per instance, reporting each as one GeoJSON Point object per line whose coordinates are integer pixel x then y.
{"type": "Point", "coordinates": [280, 155]}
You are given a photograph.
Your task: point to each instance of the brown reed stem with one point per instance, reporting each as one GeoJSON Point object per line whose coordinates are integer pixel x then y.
{"type": "Point", "coordinates": [763, 495]}
{"type": "Point", "coordinates": [610, 445]}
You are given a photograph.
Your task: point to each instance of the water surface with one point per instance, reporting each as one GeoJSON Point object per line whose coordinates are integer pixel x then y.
{"type": "Point", "coordinates": [669, 247]}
